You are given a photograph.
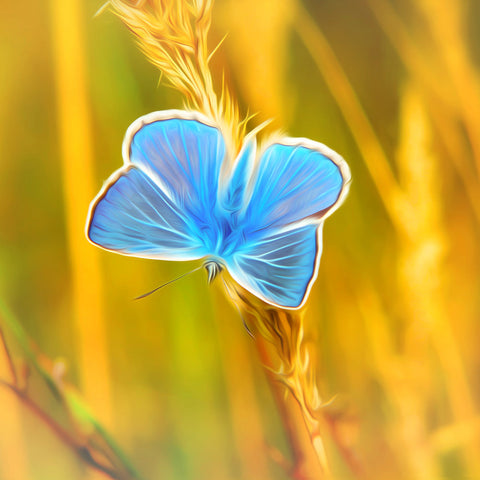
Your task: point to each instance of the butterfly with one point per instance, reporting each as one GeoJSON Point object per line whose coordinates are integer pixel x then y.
{"type": "Point", "coordinates": [179, 196]}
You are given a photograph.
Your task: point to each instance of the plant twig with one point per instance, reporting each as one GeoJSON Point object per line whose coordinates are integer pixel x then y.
{"type": "Point", "coordinates": [278, 336]}
{"type": "Point", "coordinates": [82, 451]}
{"type": "Point", "coordinates": [11, 366]}
{"type": "Point", "coordinates": [81, 433]}
{"type": "Point", "coordinates": [349, 456]}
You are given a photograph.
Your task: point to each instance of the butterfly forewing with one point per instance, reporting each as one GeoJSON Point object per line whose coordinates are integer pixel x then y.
{"type": "Point", "coordinates": [134, 216]}
{"type": "Point", "coordinates": [183, 155]}
{"type": "Point", "coordinates": [294, 181]}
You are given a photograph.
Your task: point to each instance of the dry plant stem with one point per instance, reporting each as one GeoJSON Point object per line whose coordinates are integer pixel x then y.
{"type": "Point", "coordinates": [348, 455]}
{"type": "Point", "coordinates": [94, 457]}
{"type": "Point", "coordinates": [308, 462]}
{"type": "Point", "coordinates": [278, 337]}
{"type": "Point", "coordinates": [82, 451]}
{"type": "Point", "coordinates": [173, 36]}
{"type": "Point", "coordinates": [8, 356]}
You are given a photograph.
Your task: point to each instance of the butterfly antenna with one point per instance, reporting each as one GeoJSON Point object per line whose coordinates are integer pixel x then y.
{"type": "Point", "coordinates": [167, 283]}
{"type": "Point", "coordinates": [102, 9]}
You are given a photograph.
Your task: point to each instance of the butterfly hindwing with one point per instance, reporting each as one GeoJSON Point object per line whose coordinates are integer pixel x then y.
{"type": "Point", "coordinates": [279, 267]}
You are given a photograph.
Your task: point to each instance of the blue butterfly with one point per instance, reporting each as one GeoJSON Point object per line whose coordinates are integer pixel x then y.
{"type": "Point", "coordinates": [180, 197]}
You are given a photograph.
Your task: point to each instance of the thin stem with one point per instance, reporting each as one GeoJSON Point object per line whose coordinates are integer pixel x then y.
{"type": "Point", "coordinates": [11, 366]}
{"type": "Point", "coordinates": [348, 455]}
{"type": "Point", "coordinates": [91, 443]}
{"type": "Point", "coordinates": [278, 338]}
{"type": "Point", "coordinates": [309, 461]}
{"type": "Point", "coordinates": [82, 451]}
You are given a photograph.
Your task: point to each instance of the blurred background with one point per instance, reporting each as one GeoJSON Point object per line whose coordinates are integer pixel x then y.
{"type": "Point", "coordinates": [391, 85]}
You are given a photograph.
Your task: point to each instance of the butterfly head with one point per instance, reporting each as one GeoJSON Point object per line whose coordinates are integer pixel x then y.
{"type": "Point", "coordinates": [213, 268]}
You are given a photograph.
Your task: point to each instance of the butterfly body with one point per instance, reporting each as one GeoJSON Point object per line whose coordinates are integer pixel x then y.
{"type": "Point", "coordinates": [220, 235]}
{"type": "Point", "coordinates": [213, 268]}
{"type": "Point", "coordinates": [180, 197]}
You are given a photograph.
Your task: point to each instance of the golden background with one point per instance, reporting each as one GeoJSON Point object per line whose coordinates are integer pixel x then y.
{"type": "Point", "coordinates": [393, 86]}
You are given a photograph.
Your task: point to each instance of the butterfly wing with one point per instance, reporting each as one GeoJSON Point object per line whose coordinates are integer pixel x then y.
{"type": "Point", "coordinates": [154, 206]}
{"type": "Point", "coordinates": [296, 180]}
{"type": "Point", "coordinates": [297, 184]}
{"type": "Point", "coordinates": [280, 267]}
{"type": "Point", "coordinates": [182, 152]}
{"type": "Point", "coordinates": [135, 217]}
